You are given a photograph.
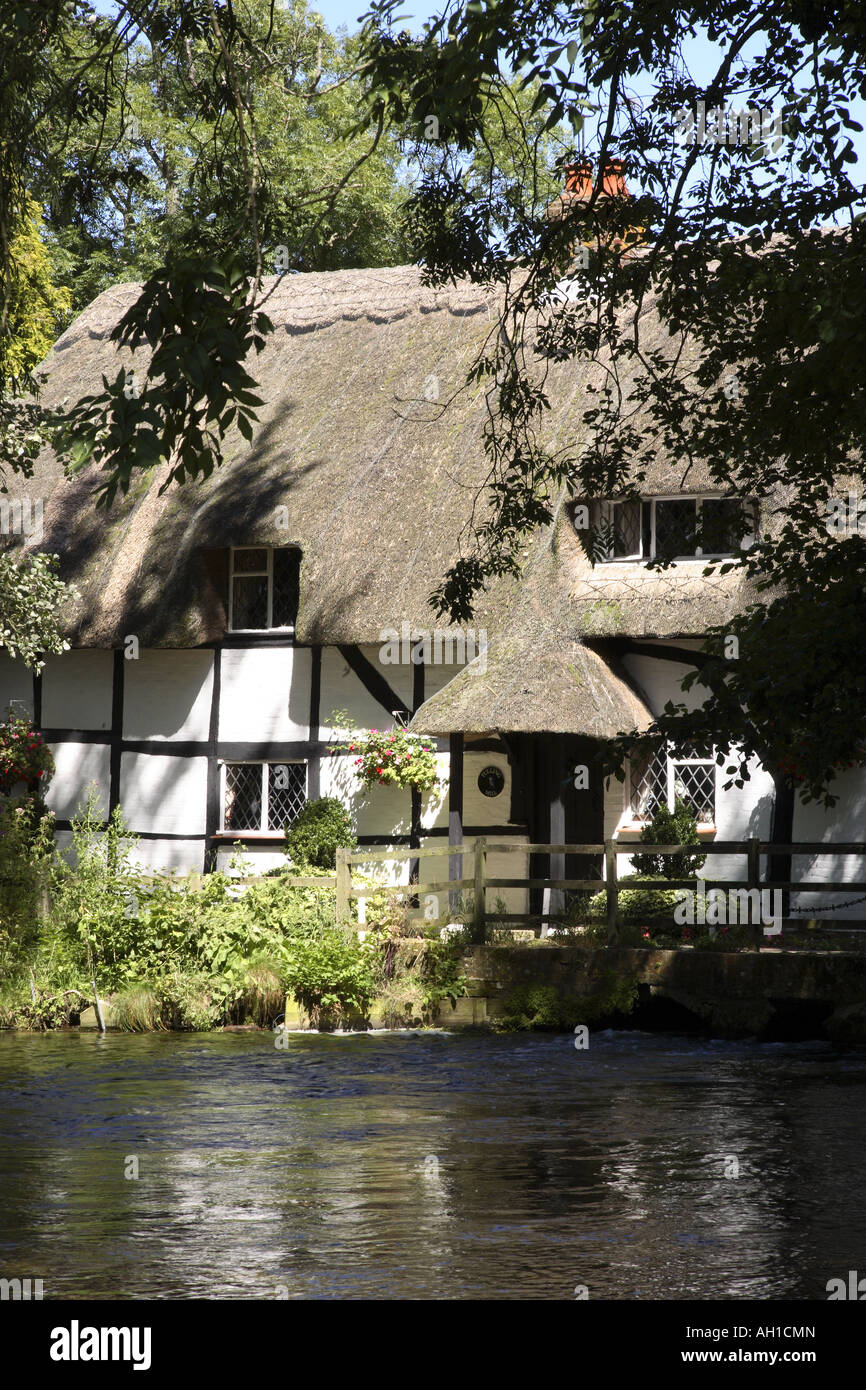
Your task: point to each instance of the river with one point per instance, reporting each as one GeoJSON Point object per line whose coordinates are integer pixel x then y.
{"type": "Point", "coordinates": [429, 1166]}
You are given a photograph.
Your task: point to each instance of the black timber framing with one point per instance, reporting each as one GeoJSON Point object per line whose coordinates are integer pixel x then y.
{"type": "Point", "coordinates": [117, 687]}
{"type": "Point", "coordinates": [314, 765]}
{"type": "Point", "coordinates": [212, 804]}
{"type": "Point", "coordinates": [415, 823]}
{"type": "Point", "coordinates": [374, 682]}
{"type": "Point", "coordinates": [455, 811]}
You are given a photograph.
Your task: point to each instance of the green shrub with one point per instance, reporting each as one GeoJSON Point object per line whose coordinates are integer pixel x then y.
{"type": "Point", "coordinates": [26, 852]}
{"type": "Point", "coordinates": [677, 827]}
{"type": "Point", "coordinates": [321, 828]}
{"type": "Point", "coordinates": [94, 896]}
{"type": "Point", "coordinates": [331, 974]}
{"type": "Point", "coordinates": [637, 905]}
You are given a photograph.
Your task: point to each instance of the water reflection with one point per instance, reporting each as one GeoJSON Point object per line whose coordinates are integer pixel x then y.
{"type": "Point", "coordinates": [428, 1166]}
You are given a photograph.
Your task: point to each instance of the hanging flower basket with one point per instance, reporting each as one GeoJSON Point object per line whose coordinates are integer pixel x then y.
{"type": "Point", "coordinates": [24, 755]}
{"type": "Point", "coordinates": [394, 759]}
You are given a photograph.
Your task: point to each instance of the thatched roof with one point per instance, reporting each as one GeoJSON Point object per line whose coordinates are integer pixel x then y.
{"type": "Point", "coordinates": [561, 688]}
{"type": "Point", "coordinates": [378, 479]}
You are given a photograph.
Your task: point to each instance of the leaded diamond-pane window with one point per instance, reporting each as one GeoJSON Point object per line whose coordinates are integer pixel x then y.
{"type": "Point", "coordinates": [649, 785]}
{"type": "Point", "coordinates": [264, 588]}
{"type": "Point", "coordinates": [723, 525]}
{"type": "Point", "coordinates": [242, 806]}
{"type": "Point", "coordinates": [287, 793]}
{"type": "Point", "coordinates": [695, 783]}
{"type": "Point", "coordinates": [626, 529]}
{"type": "Point", "coordinates": [685, 774]}
{"type": "Point", "coordinates": [250, 602]}
{"type": "Point", "coordinates": [676, 528]}
{"type": "Point", "coordinates": [258, 797]}
{"type": "Point", "coordinates": [287, 569]}
{"type": "Point", "coordinates": [250, 561]}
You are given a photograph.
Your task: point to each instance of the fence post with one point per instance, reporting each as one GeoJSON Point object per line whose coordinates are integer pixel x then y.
{"type": "Point", "coordinates": [754, 877]}
{"type": "Point", "coordinates": [612, 890]}
{"type": "Point", "coordinates": [478, 907]}
{"type": "Point", "coordinates": [343, 883]}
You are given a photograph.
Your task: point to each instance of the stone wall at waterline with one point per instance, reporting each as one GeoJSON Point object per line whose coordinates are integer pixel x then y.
{"type": "Point", "coordinates": [766, 994]}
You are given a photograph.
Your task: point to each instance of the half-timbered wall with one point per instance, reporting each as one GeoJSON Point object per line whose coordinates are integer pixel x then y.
{"type": "Point", "coordinates": [151, 735]}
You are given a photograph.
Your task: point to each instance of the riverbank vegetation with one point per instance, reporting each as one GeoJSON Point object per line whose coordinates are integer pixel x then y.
{"type": "Point", "coordinates": [179, 953]}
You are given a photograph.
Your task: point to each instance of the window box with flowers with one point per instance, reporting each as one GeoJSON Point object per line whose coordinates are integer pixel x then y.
{"type": "Point", "coordinates": [394, 758]}
{"type": "Point", "coordinates": [24, 755]}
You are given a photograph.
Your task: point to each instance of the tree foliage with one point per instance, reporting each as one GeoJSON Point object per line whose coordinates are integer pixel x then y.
{"type": "Point", "coordinates": [32, 596]}
{"type": "Point", "coordinates": [752, 257]}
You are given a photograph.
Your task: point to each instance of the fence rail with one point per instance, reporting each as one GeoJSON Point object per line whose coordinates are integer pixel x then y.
{"type": "Point", "coordinates": [479, 880]}
{"type": "Point", "coordinates": [610, 850]}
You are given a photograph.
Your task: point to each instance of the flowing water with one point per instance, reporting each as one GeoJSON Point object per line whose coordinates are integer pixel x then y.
{"type": "Point", "coordinates": [429, 1166]}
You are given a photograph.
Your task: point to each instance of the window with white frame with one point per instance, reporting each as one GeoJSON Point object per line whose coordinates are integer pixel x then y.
{"type": "Point", "coordinates": [259, 797]}
{"type": "Point", "coordinates": [672, 775]}
{"type": "Point", "coordinates": [264, 587]}
{"type": "Point", "coordinates": [676, 528]}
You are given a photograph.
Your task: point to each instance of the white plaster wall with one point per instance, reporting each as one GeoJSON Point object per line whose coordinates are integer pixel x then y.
{"type": "Point", "coordinates": [845, 821]}
{"type": "Point", "coordinates": [153, 856]}
{"type": "Point", "coordinates": [434, 804]}
{"type": "Point", "coordinates": [167, 695]}
{"type": "Point", "coordinates": [265, 694]}
{"type": "Point", "coordinates": [16, 684]}
{"type": "Point", "coordinates": [437, 676]}
{"type": "Point", "coordinates": [383, 810]}
{"type": "Point", "coordinates": [342, 690]}
{"type": "Point", "coordinates": [76, 690]}
{"type": "Point", "coordinates": [78, 765]}
{"type": "Point", "coordinates": [257, 861]}
{"type": "Point", "coordinates": [660, 681]}
{"type": "Point", "coordinates": [161, 856]}
{"type": "Point", "coordinates": [159, 792]}
{"type": "Point", "coordinates": [741, 812]}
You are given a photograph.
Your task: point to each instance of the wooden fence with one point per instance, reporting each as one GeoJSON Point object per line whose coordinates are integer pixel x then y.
{"type": "Point", "coordinates": [610, 850]}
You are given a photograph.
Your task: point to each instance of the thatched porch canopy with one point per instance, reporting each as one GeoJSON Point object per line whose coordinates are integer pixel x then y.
{"type": "Point", "coordinates": [568, 688]}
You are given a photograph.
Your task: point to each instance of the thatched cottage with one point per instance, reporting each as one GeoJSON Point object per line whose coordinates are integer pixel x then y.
{"type": "Point", "coordinates": [223, 625]}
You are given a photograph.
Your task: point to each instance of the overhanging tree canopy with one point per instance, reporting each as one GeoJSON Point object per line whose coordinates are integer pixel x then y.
{"type": "Point", "coordinates": [752, 251]}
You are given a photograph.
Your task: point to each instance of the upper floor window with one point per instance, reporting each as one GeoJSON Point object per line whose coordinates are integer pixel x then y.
{"type": "Point", "coordinates": [675, 528]}
{"type": "Point", "coordinates": [264, 588]}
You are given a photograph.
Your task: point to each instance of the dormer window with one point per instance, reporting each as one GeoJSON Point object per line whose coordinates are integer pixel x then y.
{"type": "Point", "coordinates": [674, 528]}
{"type": "Point", "coordinates": [264, 588]}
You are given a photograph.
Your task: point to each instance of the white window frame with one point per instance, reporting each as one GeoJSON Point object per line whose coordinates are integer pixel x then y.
{"type": "Point", "coordinates": [268, 573]}
{"type": "Point", "coordinates": [263, 830]}
{"type": "Point", "coordinates": [698, 498]}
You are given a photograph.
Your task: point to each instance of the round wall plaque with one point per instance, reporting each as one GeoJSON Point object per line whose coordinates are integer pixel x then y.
{"type": "Point", "coordinates": [491, 780]}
